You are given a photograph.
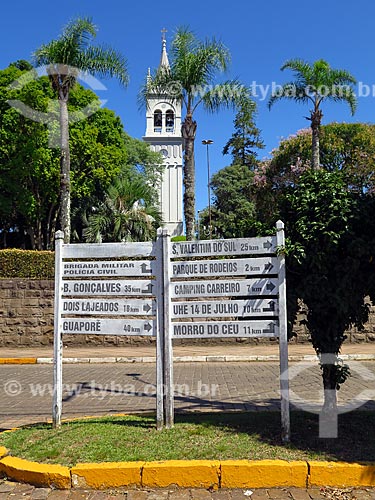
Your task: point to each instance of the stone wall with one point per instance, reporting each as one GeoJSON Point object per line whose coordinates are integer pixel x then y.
{"type": "Point", "coordinates": [26, 319]}
{"type": "Point", "coordinates": [26, 312]}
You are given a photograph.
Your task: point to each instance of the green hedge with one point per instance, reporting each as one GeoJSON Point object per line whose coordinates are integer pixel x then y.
{"type": "Point", "coordinates": [27, 264]}
{"type": "Point", "coordinates": [178, 238]}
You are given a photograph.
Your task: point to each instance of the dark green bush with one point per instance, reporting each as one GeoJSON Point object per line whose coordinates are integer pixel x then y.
{"type": "Point", "coordinates": [17, 263]}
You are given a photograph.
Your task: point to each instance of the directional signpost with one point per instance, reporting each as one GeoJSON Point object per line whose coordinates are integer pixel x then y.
{"type": "Point", "coordinates": [185, 290]}
{"type": "Point", "coordinates": [93, 296]}
{"type": "Point", "coordinates": [228, 289]}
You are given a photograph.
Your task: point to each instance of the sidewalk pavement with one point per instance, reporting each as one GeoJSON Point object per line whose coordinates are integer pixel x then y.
{"type": "Point", "coordinates": [221, 352]}
{"type": "Point", "coordinates": [16, 491]}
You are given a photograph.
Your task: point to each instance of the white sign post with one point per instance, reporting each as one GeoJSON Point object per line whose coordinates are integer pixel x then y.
{"type": "Point", "coordinates": [105, 289]}
{"type": "Point", "coordinates": [283, 337]}
{"type": "Point", "coordinates": [241, 295]}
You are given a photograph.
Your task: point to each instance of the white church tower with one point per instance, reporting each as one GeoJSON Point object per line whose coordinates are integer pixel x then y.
{"type": "Point", "coordinates": [163, 134]}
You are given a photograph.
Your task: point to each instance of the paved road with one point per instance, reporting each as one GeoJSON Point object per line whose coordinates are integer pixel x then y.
{"type": "Point", "coordinates": [15, 491]}
{"type": "Point", "coordinates": [26, 390]}
{"type": "Point", "coordinates": [25, 396]}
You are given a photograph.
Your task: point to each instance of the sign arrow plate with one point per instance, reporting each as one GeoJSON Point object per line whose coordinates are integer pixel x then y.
{"type": "Point", "coordinates": [225, 329]}
{"type": "Point", "coordinates": [107, 268]}
{"type": "Point", "coordinates": [224, 308]}
{"type": "Point", "coordinates": [225, 267]}
{"type": "Point", "coordinates": [224, 288]}
{"type": "Point", "coordinates": [97, 326]}
{"type": "Point", "coordinates": [209, 248]}
{"type": "Point", "coordinates": [109, 307]}
{"type": "Point", "coordinates": [107, 287]}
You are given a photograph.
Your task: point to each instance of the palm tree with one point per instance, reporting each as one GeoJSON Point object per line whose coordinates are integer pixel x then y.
{"type": "Point", "coordinates": [65, 58]}
{"type": "Point", "coordinates": [316, 83]}
{"type": "Point", "coordinates": [191, 77]}
{"type": "Point", "coordinates": [127, 213]}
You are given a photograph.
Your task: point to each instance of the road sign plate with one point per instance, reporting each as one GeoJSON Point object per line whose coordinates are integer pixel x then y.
{"type": "Point", "coordinates": [107, 287]}
{"type": "Point", "coordinates": [109, 307]}
{"type": "Point", "coordinates": [225, 308]}
{"type": "Point", "coordinates": [225, 329]}
{"type": "Point", "coordinates": [99, 326]}
{"type": "Point", "coordinates": [209, 248]}
{"type": "Point", "coordinates": [224, 288]}
{"type": "Point", "coordinates": [107, 268]}
{"type": "Point", "coordinates": [224, 267]}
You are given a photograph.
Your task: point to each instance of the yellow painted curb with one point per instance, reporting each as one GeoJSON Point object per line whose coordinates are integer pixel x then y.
{"type": "Point", "coordinates": [263, 473]}
{"type": "Point", "coordinates": [35, 473]}
{"type": "Point", "coordinates": [341, 474]}
{"type": "Point", "coordinates": [107, 475]}
{"type": "Point", "coordinates": [18, 361]}
{"type": "Point", "coordinates": [183, 473]}
{"type": "Point", "coordinates": [3, 452]}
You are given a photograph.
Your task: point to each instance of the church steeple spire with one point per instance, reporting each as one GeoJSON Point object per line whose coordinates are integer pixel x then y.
{"type": "Point", "coordinates": [164, 62]}
{"type": "Point", "coordinates": [163, 134]}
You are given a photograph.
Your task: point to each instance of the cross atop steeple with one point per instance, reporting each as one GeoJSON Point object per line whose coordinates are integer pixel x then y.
{"type": "Point", "coordinates": [164, 63]}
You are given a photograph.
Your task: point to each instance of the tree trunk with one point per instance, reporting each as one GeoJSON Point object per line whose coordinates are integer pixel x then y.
{"type": "Point", "coordinates": [188, 129]}
{"type": "Point", "coordinates": [64, 168]}
{"type": "Point", "coordinates": [31, 234]}
{"type": "Point", "coordinates": [50, 227]}
{"type": "Point", "coordinates": [316, 119]}
{"type": "Point", "coordinates": [328, 415]}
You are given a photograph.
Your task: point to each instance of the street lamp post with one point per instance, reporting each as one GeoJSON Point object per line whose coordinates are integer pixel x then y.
{"type": "Point", "coordinates": [206, 143]}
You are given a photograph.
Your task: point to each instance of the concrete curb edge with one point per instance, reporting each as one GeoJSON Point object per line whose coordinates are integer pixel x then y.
{"type": "Point", "coordinates": [212, 474]}
{"type": "Point", "coordinates": [180, 359]}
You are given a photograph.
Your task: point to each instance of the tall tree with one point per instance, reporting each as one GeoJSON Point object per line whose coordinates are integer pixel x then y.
{"type": "Point", "coordinates": [233, 210]}
{"type": "Point", "coordinates": [315, 83]}
{"type": "Point", "coordinates": [29, 168]}
{"type": "Point", "coordinates": [246, 138]}
{"type": "Point", "coordinates": [330, 267]}
{"type": "Point", "coordinates": [65, 58]}
{"type": "Point", "coordinates": [346, 147]}
{"type": "Point", "coordinates": [191, 77]}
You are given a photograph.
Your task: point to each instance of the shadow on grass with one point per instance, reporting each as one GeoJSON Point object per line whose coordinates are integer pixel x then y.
{"type": "Point", "coordinates": [355, 442]}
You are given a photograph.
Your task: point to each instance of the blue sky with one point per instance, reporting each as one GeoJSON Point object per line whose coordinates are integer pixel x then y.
{"type": "Point", "coordinates": [261, 36]}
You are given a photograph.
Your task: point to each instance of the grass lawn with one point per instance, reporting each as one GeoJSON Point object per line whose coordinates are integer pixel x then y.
{"type": "Point", "coordinates": [254, 435]}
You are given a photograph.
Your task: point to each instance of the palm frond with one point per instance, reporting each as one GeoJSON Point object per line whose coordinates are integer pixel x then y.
{"type": "Point", "coordinates": [161, 83]}
{"type": "Point", "coordinates": [228, 94]}
{"type": "Point", "coordinates": [344, 94]}
{"type": "Point", "coordinates": [127, 214]}
{"type": "Point", "coordinates": [195, 62]}
{"type": "Point", "coordinates": [317, 82]}
{"type": "Point", "coordinates": [291, 90]}
{"type": "Point", "coordinates": [104, 62]}
{"type": "Point", "coordinates": [301, 68]}
{"type": "Point", "coordinates": [98, 226]}
{"type": "Point", "coordinates": [72, 52]}
{"type": "Point", "coordinates": [80, 32]}
{"type": "Point", "coordinates": [184, 42]}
